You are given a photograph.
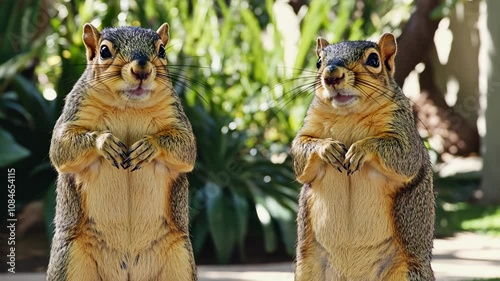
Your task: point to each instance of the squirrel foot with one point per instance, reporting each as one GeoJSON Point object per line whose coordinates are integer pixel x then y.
{"type": "Point", "coordinates": [141, 152]}
{"type": "Point", "coordinates": [333, 152]}
{"type": "Point", "coordinates": [111, 148]}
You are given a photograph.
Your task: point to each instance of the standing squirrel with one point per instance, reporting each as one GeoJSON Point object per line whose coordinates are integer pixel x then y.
{"type": "Point", "coordinates": [366, 209]}
{"type": "Point", "coordinates": [122, 147]}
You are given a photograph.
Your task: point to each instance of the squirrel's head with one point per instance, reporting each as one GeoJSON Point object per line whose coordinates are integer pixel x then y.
{"type": "Point", "coordinates": [128, 60]}
{"type": "Point", "coordinates": [353, 72]}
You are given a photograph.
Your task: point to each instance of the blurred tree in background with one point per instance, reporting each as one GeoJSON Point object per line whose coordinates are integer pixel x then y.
{"type": "Point", "coordinates": [240, 67]}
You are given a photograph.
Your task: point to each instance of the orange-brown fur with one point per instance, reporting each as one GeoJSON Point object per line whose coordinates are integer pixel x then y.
{"type": "Point", "coordinates": [114, 222]}
{"type": "Point", "coordinates": [351, 159]}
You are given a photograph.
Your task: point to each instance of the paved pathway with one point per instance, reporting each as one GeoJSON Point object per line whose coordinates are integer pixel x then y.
{"type": "Point", "coordinates": [464, 257]}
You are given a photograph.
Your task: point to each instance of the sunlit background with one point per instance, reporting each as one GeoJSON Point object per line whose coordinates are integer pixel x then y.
{"type": "Point", "coordinates": [240, 67]}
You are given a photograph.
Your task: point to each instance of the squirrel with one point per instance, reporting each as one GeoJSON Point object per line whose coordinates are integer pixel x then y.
{"type": "Point", "coordinates": [122, 147]}
{"type": "Point", "coordinates": [366, 207]}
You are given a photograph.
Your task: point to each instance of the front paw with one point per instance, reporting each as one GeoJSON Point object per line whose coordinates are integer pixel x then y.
{"type": "Point", "coordinates": [140, 153]}
{"type": "Point", "coordinates": [333, 152]}
{"type": "Point", "coordinates": [111, 148]}
{"type": "Point", "coordinates": [357, 155]}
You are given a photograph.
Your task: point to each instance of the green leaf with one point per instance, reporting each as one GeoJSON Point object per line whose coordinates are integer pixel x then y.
{"type": "Point", "coordinates": [199, 233]}
{"type": "Point", "coordinates": [270, 238]}
{"type": "Point", "coordinates": [10, 151]}
{"type": "Point", "coordinates": [241, 207]}
{"type": "Point", "coordinates": [317, 13]}
{"type": "Point", "coordinates": [33, 101]}
{"type": "Point", "coordinates": [286, 221]}
{"type": "Point", "coordinates": [40, 168]}
{"type": "Point", "coordinates": [222, 223]}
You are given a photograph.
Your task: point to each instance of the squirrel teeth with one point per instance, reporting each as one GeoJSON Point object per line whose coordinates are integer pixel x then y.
{"type": "Point", "coordinates": [137, 92]}
{"type": "Point", "coordinates": [343, 98]}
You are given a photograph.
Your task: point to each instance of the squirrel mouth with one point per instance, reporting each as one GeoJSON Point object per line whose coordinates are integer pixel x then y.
{"type": "Point", "coordinates": [343, 98]}
{"type": "Point", "coordinates": [137, 92]}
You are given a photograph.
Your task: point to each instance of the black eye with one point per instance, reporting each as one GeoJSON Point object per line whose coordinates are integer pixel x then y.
{"type": "Point", "coordinates": [105, 52]}
{"type": "Point", "coordinates": [318, 63]}
{"type": "Point", "coordinates": [161, 52]}
{"type": "Point", "coordinates": [373, 60]}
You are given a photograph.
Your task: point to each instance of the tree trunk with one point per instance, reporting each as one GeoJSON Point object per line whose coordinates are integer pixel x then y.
{"type": "Point", "coordinates": [416, 38]}
{"type": "Point", "coordinates": [453, 125]}
{"type": "Point", "coordinates": [490, 87]}
{"type": "Point", "coordinates": [455, 122]}
{"type": "Point", "coordinates": [459, 136]}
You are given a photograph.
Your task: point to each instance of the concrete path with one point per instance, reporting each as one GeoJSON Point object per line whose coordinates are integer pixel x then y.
{"type": "Point", "coordinates": [464, 257]}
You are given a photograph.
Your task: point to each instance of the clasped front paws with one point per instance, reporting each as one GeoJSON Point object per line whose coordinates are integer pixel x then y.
{"type": "Point", "coordinates": [116, 152]}
{"type": "Point", "coordinates": [336, 154]}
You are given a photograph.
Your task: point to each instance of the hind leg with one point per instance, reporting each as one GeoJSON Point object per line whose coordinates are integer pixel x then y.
{"type": "Point", "coordinates": [311, 262]}
{"type": "Point", "coordinates": [180, 263]}
{"type": "Point", "coordinates": [58, 264]}
{"type": "Point", "coordinates": [423, 272]}
{"type": "Point", "coordinates": [69, 261]}
{"type": "Point", "coordinates": [169, 260]}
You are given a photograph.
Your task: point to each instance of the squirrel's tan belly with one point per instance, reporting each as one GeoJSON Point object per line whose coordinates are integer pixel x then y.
{"type": "Point", "coordinates": [127, 209]}
{"type": "Point", "coordinates": [351, 221]}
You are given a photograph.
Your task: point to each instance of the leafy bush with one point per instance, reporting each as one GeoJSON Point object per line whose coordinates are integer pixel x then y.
{"type": "Point", "coordinates": [234, 63]}
{"type": "Point", "coordinates": [26, 118]}
{"type": "Point", "coordinates": [231, 182]}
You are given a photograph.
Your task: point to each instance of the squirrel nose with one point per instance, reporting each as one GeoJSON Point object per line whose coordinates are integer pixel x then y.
{"type": "Point", "coordinates": [333, 75]}
{"type": "Point", "coordinates": [140, 72]}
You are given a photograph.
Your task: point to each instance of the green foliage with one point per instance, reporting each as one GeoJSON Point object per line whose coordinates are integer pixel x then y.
{"type": "Point", "coordinates": [456, 211]}
{"type": "Point", "coordinates": [231, 183]}
{"type": "Point", "coordinates": [26, 118]}
{"type": "Point", "coordinates": [444, 9]}
{"type": "Point", "coordinates": [233, 64]}
{"type": "Point", "coordinates": [10, 151]}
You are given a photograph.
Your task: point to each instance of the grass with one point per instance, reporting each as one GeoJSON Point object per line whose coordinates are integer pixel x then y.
{"type": "Point", "coordinates": [457, 210]}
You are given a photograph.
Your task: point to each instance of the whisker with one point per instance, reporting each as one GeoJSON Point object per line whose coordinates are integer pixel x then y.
{"type": "Point", "coordinates": [295, 93]}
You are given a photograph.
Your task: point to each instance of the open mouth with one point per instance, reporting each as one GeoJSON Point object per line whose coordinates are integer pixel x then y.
{"type": "Point", "coordinates": [138, 92]}
{"type": "Point", "coordinates": [343, 98]}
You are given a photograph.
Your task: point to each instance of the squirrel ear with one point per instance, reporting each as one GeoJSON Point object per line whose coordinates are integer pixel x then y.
{"type": "Point", "coordinates": [163, 32]}
{"type": "Point", "coordinates": [91, 38]}
{"type": "Point", "coordinates": [320, 44]}
{"type": "Point", "coordinates": [388, 49]}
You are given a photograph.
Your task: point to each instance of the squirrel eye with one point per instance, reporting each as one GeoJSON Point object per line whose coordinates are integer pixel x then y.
{"type": "Point", "coordinates": [318, 63]}
{"type": "Point", "coordinates": [105, 52]}
{"type": "Point", "coordinates": [373, 60]}
{"type": "Point", "coordinates": [161, 52]}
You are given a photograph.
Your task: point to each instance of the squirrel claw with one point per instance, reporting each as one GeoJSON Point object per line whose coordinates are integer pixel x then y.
{"type": "Point", "coordinates": [110, 147]}
{"type": "Point", "coordinates": [125, 165]}
{"type": "Point", "coordinates": [122, 145]}
{"type": "Point", "coordinates": [333, 152]}
{"type": "Point", "coordinates": [112, 160]}
{"type": "Point", "coordinates": [126, 160]}
{"type": "Point", "coordinates": [354, 160]}
{"type": "Point", "coordinates": [140, 153]}
{"type": "Point", "coordinates": [355, 157]}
